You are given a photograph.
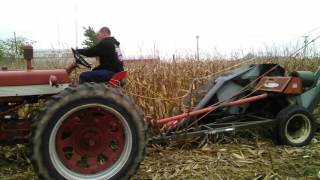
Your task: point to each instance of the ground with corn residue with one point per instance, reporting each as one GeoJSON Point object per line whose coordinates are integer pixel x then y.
{"type": "Point", "coordinates": [239, 156]}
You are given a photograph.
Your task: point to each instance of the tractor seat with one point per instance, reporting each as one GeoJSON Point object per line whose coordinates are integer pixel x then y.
{"type": "Point", "coordinates": [307, 77]}
{"type": "Point", "coordinates": [117, 79]}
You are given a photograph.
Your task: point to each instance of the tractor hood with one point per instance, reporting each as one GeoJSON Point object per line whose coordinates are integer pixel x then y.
{"type": "Point", "coordinates": [33, 77]}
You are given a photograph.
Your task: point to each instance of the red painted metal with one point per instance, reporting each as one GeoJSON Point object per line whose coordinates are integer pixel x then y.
{"type": "Point", "coordinates": [114, 81]}
{"type": "Point", "coordinates": [286, 85]}
{"type": "Point", "coordinates": [294, 86]}
{"type": "Point", "coordinates": [246, 100]}
{"type": "Point", "coordinates": [90, 140]}
{"type": "Point", "coordinates": [280, 83]}
{"type": "Point", "coordinates": [211, 108]}
{"type": "Point", "coordinates": [32, 77]}
{"type": "Point", "coordinates": [184, 115]}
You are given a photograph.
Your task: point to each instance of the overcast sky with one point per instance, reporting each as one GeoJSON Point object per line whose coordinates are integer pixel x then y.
{"type": "Point", "coordinates": [169, 25]}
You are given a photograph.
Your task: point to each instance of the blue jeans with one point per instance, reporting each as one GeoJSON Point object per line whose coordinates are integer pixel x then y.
{"type": "Point", "coordinates": [96, 76]}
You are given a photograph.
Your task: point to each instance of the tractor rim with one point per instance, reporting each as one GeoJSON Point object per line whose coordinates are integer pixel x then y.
{"type": "Point", "coordinates": [90, 141]}
{"type": "Point", "coordinates": [298, 128]}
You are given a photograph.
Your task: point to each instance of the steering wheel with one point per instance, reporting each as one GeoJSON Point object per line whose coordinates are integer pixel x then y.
{"type": "Point", "coordinates": [79, 59]}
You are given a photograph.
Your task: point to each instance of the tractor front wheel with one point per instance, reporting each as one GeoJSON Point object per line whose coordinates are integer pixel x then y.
{"type": "Point", "coordinates": [88, 132]}
{"type": "Point", "coordinates": [294, 126]}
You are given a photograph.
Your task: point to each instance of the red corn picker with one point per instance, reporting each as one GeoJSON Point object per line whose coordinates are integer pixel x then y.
{"type": "Point", "coordinates": [95, 131]}
{"type": "Point", "coordinates": [252, 95]}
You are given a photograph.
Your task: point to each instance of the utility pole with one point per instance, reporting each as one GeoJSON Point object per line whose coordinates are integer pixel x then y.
{"type": "Point", "coordinates": [15, 43]}
{"type": "Point", "coordinates": [76, 24]}
{"type": "Point", "coordinates": [197, 37]}
{"type": "Point", "coordinates": [58, 32]}
{"type": "Point", "coordinates": [154, 50]}
{"type": "Point", "coordinates": [305, 46]}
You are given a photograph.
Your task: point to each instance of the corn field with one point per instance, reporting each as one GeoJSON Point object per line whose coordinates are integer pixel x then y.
{"type": "Point", "coordinates": [159, 87]}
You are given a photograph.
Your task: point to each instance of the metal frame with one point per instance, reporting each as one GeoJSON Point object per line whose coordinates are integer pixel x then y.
{"type": "Point", "coordinates": [245, 121]}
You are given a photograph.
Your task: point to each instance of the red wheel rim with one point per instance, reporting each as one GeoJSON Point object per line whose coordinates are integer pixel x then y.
{"type": "Point", "coordinates": [90, 140]}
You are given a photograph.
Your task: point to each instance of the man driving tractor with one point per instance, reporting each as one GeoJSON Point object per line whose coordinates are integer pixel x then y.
{"type": "Point", "coordinates": [108, 52]}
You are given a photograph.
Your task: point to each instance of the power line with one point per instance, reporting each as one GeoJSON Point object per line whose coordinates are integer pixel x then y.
{"type": "Point", "coordinates": [307, 44]}
{"type": "Point", "coordinates": [312, 30]}
{"type": "Point", "coordinates": [305, 34]}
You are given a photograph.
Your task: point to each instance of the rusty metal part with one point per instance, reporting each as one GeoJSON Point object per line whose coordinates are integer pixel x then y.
{"type": "Point", "coordinates": [28, 52]}
{"type": "Point", "coordinates": [273, 84]}
{"type": "Point", "coordinates": [294, 86]}
{"type": "Point", "coordinates": [285, 85]}
{"type": "Point", "coordinates": [28, 56]}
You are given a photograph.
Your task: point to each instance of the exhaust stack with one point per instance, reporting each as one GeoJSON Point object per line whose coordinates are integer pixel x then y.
{"type": "Point", "coordinates": [28, 56]}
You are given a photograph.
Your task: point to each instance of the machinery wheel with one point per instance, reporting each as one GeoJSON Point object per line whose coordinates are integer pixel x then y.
{"type": "Point", "coordinates": [294, 126]}
{"type": "Point", "coordinates": [89, 131]}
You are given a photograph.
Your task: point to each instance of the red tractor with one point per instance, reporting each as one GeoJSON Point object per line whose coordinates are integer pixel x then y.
{"type": "Point", "coordinates": [84, 131]}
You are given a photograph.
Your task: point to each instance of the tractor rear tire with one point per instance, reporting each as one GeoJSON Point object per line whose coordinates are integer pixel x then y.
{"type": "Point", "coordinates": [89, 131]}
{"type": "Point", "coordinates": [294, 126]}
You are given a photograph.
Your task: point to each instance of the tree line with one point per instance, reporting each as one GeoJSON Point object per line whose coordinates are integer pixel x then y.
{"type": "Point", "coordinates": [12, 48]}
